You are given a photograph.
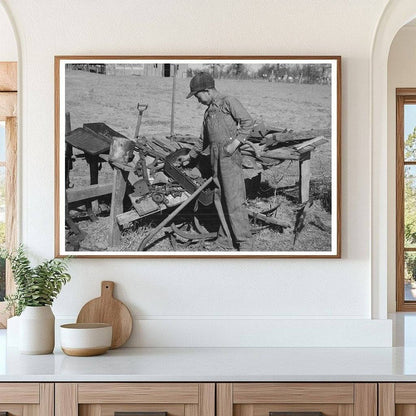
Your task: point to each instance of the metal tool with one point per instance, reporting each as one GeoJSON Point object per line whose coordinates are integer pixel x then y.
{"type": "Point", "coordinates": [148, 238]}
{"type": "Point", "coordinates": [144, 166]}
{"type": "Point", "coordinates": [158, 197]}
{"type": "Point", "coordinates": [141, 108]}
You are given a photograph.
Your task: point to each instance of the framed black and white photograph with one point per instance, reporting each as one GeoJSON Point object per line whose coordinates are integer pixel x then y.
{"type": "Point", "coordinates": [198, 156]}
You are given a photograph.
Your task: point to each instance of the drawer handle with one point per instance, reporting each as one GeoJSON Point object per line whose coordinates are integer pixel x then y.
{"type": "Point", "coordinates": [296, 414]}
{"type": "Point", "coordinates": [138, 414]}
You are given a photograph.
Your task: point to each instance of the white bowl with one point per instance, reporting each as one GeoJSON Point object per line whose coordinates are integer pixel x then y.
{"type": "Point", "coordinates": [83, 340]}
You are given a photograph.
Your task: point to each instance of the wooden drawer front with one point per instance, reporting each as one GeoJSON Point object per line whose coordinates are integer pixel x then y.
{"type": "Point", "coordinates": [110, 409]}
{"type": "Point", "coordinates": [138, 393]}
{"type": "Point", "coordinates": [397, 399]}
{"type": "Point", "coordinates": [19, 393]}
{"type": "Point", "coordinates": [12, 409]}
{"type": "Point", "coordinates": [27, 399]}
{"type": "Point", "coordinates": [331, 399]}
{"type": "Point", "coordinates": [265, 409]}
{"type": "Point", "coordinates": [405, 393]}
{"type": "Point", "coordinates": [104, 399]}
{"type": "Point", "coordinates": [293, 393]}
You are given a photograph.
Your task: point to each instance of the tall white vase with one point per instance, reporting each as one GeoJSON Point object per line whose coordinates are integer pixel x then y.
{"type": "Point", "coordinates": [13, 332]}
{"type": "Point", "coordinates": [37, 330]}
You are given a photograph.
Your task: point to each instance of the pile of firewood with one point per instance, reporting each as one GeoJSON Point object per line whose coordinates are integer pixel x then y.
{"type": "Point", "coordinates": [269, 147]}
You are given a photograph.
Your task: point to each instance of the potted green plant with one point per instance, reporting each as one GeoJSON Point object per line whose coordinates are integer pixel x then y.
{"type": "Point", "coordinates": [36, 289]}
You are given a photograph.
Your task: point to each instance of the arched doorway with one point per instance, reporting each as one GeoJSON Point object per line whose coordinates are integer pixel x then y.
{"type": "Point", "coordinates": [396, 14]}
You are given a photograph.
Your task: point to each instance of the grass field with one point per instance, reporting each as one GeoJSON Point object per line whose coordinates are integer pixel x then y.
{"type": "Point", "coordinates": [113, 100]}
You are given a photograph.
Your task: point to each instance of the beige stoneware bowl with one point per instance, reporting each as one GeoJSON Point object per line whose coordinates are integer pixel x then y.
{"type": "Point", "coordinates": [84, 340]}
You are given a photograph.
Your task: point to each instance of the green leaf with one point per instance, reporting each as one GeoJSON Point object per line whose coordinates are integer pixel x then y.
{"type": "Point", "coordinates": [35, 286]}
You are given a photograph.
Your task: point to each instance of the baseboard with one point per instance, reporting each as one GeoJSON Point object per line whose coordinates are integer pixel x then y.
{"type": "Point", "coordinates": [165, 332]}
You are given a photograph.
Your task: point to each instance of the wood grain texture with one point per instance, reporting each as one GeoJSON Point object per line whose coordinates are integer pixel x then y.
{"type": "Point", "coordinates": [13, 409]}
{"type": "Point", "coordinates": [207, 399]}
{"type": "Point", "coordinates": [31, 410]}
{"type": "Point", "coordinates": [8, 76]}
{"type": "Point", "coordinates": [118, 194]}
{"type": "Point", "coordinates": [252, 393]}
{"type": "Point", "coordinates": [304, 177]}
{"type": "Point", "coordinates": [405, 393]}
{"type": "Point", "coordinates": [264, 409]}
{"type": "Point", "coordinates": [27, 393]}
{"type": "Point", "coordinates": [8, 105]}
{"type": "Point", "coordinates": [403, 96]}
{"type": "Point", "coordinates": [47, 399]}
{"type": "Point", "coordinates": [345, 410]}
{"type": "Point", "coordinates": [90, 410]}
{"type": "Point", "coordinates": [245, 410]}
{"type": "Point", "coordinates": [400, 204]}
{"type": "Point", "coordinates": [386, 399]}
{"type": "Point", "coordinates": [405, 91]}
{"type": "Point", "coordinates": [191, 410]}
{"type": "Point", "coordinates": [224, 399]}
{"type": "Point", "coordinates": [405, 410]}
{"type": "Point", "coordinates": [171, 409]}
{"type": "Point", "coordinates": [107, 309]}
{"type": "Point", "coordinates": [138, 393]}
{"type": "Point", "coordinates": [365, 399]}
{"type": "Point", "coordinates": [88, 193]}
{"type": "Point", "coordinates": [66, 399]}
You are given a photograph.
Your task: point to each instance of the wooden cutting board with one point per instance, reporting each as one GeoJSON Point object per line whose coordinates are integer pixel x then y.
{"type": "Point", "coordinates": [107, 309]}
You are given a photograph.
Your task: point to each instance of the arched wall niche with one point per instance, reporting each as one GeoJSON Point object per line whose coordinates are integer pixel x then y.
{"type": "Point", "coordinates": [401, 74]}
{"type": "Point", "coordinates": [396, 15]}
{"type": "Point", "coordinates": [9, 43]}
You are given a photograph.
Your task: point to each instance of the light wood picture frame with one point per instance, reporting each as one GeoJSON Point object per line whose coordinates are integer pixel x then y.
{"type": "Point", "coordinates": [123, 128]}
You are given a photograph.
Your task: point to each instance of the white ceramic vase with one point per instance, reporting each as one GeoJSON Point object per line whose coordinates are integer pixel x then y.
{"type": "Point", "coordinates": [13, 331]}
{"type": "Point", "coordinates": [37, 330]}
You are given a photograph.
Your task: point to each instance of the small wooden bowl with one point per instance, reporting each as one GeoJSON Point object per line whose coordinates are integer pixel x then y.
{"type": "Point", "coordinates": [84, 340]}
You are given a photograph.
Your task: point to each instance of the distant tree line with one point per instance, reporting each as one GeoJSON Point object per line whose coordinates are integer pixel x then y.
{"type": "Point", "coordinates": [292, 73]}
{"type": "Point", "coordinates": [410, 206]}
{"type": "Point", "coordinates": [219, 71]}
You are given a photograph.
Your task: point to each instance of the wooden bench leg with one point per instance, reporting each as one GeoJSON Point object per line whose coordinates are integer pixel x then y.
{"type": "Point", "coordinates": [93, 162]}
{"type": "Point", "coordinates": [304, 176]}
{"type": "Point", "coordinates": [119, 191]}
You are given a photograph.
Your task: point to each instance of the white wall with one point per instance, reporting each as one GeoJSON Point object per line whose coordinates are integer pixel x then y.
{"type": "Point", "coordinates": [401, 74]}
{"type": "Point", "coordinates": [8, 47]}
{"type": "Point", "coordinates": [179, 302]}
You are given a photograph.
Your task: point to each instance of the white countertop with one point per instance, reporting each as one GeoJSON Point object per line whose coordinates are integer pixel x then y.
{"type": "Point", "coordinates": [213, 364]}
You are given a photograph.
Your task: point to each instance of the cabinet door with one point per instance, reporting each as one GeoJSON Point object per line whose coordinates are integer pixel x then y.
{"type": "Point", "coordinates": [144, 399]}
{"type": "Point", "coordinates": [27, 399]}
{"type": "Point", "coordinates": [397, 399]}
{"type": "Point", "coordinates": [296, 399]}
